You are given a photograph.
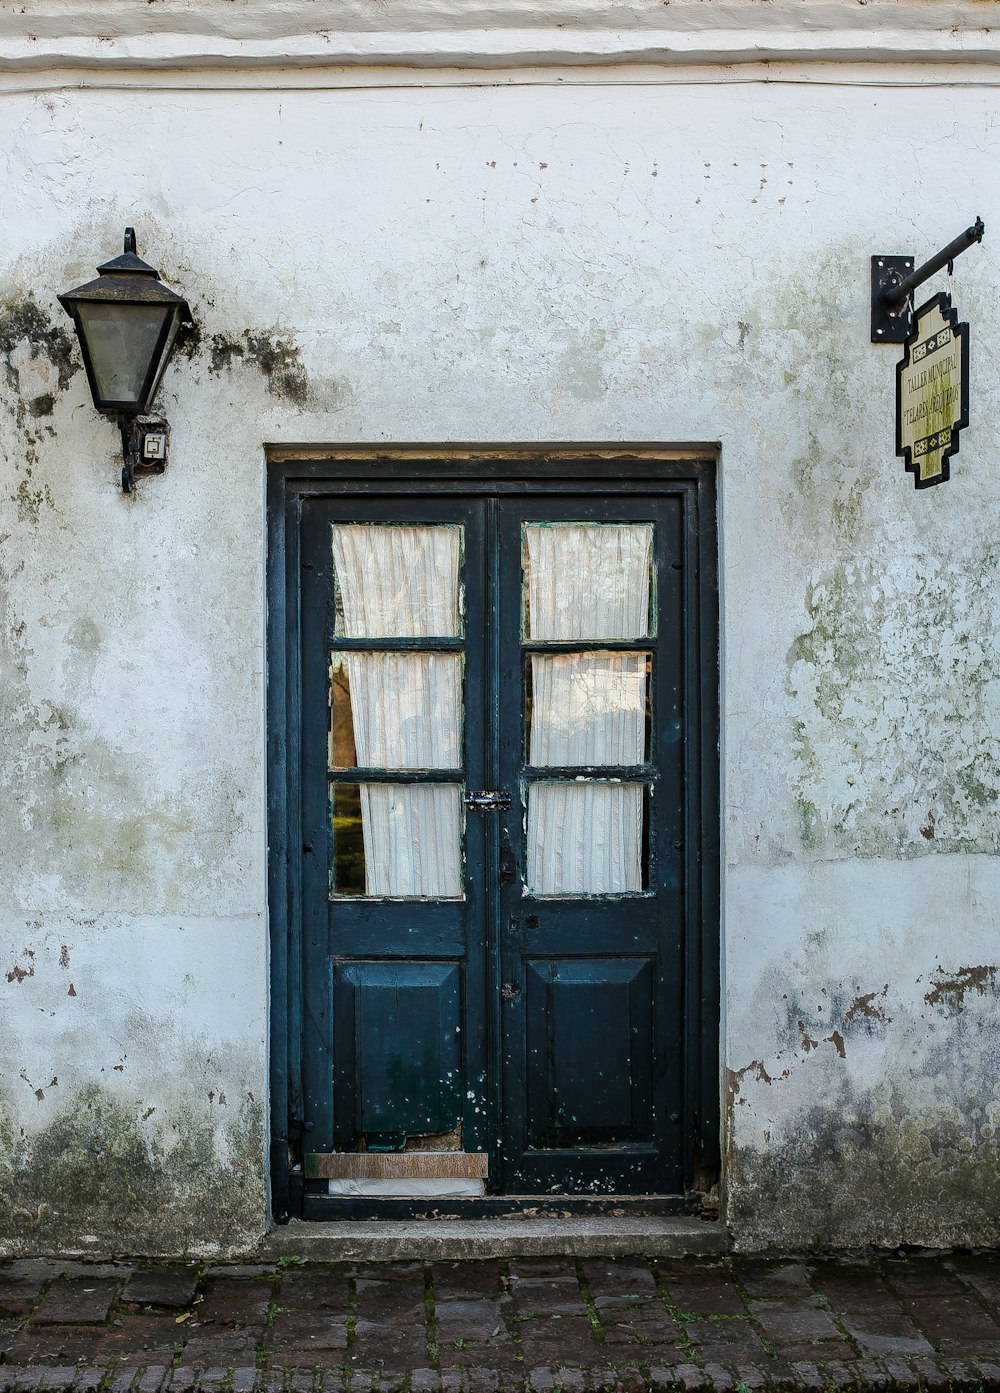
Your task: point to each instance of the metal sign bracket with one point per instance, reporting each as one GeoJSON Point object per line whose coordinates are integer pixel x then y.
{"type": "Point", "coordinates": [894, 281]}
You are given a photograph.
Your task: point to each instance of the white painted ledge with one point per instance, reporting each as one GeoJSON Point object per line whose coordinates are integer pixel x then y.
{"type": "Point", "coordinates": [94, 36]}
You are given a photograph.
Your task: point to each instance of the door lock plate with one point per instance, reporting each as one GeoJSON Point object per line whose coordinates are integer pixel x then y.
{"type": "Point", "coordinates": [486, 800]}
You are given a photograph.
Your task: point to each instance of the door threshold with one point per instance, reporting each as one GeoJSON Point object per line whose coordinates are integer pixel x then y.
{"type": "Point", "coordinates": [448, 1239]}
{"type": "Point", "coordinates": [321, 1205]}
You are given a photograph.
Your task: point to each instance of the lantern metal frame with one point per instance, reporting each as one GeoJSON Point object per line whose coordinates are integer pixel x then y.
{"type": "Point", "coordinates": [129, 281]}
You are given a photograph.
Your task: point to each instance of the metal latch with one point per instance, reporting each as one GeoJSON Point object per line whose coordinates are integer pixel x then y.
{"type": "Point", "coordinates": [487, 800]}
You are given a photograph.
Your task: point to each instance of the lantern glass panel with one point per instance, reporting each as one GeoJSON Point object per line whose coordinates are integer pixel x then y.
{"type": "Point", "coordinates": [122, 341]}
{"type": "Point", "coordinates": [168, 348]}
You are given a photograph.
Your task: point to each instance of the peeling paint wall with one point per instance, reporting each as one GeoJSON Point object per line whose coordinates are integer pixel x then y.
{"type": "Point", "coordinates": [873, 1116]}
{"type": "Point", "coordinates": [662, 260]}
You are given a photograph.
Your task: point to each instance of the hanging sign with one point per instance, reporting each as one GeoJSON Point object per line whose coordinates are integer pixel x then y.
{"type": "Point", "coordinates": [932, 392]}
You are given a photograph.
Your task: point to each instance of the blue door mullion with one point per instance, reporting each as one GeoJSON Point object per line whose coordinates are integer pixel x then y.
{"type": "Point", "coordinates": [478, 853]}
{"type": "Point", "coordinates": [511, 1066]}
{"type": "Point", "coordinates": [318, 1058]}
{"type": "Point", "coordinates": [672, 700]}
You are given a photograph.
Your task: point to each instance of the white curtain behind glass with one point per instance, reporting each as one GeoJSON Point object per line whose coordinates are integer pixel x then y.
{"type": "Point", "coordinates": [587, 582]}
{"type": "Point", "coordinates": [405, 709]}
{"type": "Point", "coordinates": [397, 582]}
{"type": "Point", "coordinates": [403, 582]}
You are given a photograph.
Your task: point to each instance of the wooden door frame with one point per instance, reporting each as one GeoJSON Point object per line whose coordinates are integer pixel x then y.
{"type": "Point", "coordinates": [298, 472]}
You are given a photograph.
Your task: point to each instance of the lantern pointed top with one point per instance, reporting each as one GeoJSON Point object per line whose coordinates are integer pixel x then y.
{"type": "Point", "coordinates": [127, 278]}
{"type": "Point", "coordinates": [129, 263]}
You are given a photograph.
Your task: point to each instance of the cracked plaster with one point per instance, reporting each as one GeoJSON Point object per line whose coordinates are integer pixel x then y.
{"type": "Point", "coordinates": [641, 264]}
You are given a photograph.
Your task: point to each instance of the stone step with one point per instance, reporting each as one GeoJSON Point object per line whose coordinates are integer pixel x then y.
{"type": "Point", "coordinates": [451, 1239]}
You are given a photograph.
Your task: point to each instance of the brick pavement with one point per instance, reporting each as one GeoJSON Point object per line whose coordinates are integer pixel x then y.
{"type": "Point", "coordinates": [527, 1325]}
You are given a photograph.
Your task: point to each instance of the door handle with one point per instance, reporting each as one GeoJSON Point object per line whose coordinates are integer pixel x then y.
{"type": "Point", "coordinates": [487, 800]}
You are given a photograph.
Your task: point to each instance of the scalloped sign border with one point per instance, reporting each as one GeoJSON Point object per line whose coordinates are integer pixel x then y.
{"type": "Point", "coordinates": [932, 392]}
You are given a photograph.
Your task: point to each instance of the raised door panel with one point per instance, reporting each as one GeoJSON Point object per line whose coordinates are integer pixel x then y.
{"type": "Point", "coordinates": [589, 1074]}
{"type": "Point", "coordinates": [398, 1052]}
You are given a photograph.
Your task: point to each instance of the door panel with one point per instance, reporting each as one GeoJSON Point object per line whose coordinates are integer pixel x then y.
{"type": "Point", "coordinates": [398, 1031]}
{"type": "Point", "coordinates": [394, 868]}
{"type": "Point", "coordinates": [589, 1024]}
{"type": "Point", "coordinates": [591, 611]}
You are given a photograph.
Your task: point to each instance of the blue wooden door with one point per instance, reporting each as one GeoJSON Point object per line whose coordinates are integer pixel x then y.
{"type": "Point", "coordinates": [591, 665]}
{"type": "Point", "coordinates": [395, 901]}
{"type": "Point", "coordinates": [499, 748]}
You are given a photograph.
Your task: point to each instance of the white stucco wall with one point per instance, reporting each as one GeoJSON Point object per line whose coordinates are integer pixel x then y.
{"type": "Point", "coordinates": [605, 254]}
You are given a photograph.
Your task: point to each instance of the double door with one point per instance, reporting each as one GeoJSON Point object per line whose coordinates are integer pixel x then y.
{"type": "Point", "coordinates": [501, 729]}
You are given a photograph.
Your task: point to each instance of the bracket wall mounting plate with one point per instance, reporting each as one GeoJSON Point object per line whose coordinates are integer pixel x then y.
{"type": "Point", "coordinates": [890, 323]}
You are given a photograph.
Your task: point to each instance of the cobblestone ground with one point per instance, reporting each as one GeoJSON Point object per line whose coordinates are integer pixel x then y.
{"type": "Point", "coordinates": [533, 1324]}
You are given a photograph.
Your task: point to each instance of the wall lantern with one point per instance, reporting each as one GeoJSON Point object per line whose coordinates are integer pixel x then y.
{"type": "Point", "coordinates": [127, 321]}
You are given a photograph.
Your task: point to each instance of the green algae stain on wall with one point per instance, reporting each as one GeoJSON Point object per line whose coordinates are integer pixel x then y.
{"type": "Point", "coordinates": [187, 1185]}
{"type": "Point", "coordinates": [39, 357]}
{"type": "Point", "coordinates": [864, 1142]}
{"type": "Point", "coordinates": [878, 1119]}
{"type": "Point", "coordinates": [895, 697]}
{"type": "Point", "coordinates": [38, 360]}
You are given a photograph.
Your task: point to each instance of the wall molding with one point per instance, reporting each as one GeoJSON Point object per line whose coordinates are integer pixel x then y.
{"type": "Point", "coordinates": [92, 37]}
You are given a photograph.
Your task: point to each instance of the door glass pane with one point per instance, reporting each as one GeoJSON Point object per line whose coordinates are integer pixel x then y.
{"type": "Point", "coordinates": [402, 841]}
{"type": "Point", "coordinates": [396, 582]}
{"type": "Point", "coordinates": [586, 838]}
{"type": "Point", "coordinates": [588, 708]}
{"type": "Point", "coordinates": [587, 580]}
{"type": "Point", "coordinates": [348, 877]}
{"type": "Point", "coordinates": [395, 710]}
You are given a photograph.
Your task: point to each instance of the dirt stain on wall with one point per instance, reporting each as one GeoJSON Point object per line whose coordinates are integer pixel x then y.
{"type": "Point", "coordinates": [880, 1120]}
{"type": "Point", "coordinates": [950, 990]}
{"type": "Point", "coordinates": [38, 360]}
{"type": "Point", "coordinates": [39, 357]}
{"type": "Point", "coordinates": [275, 356]}
{"type": "Point", "coordinates": [867, 1007]}
{"type": "Point", "coordinates": [24, 969]}
{"type": "Point", "coordinates": [193, 1184]}
{"type": "Point", "coordinates": [881, 766]}
{"type": "Point", "coordinates": [815, 1183]}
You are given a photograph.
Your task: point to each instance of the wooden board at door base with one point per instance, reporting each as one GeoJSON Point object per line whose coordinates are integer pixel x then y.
{"type": "Point", "coordinates": [564, 1037]}
{"type": "Point", "coordinates": [411, 1165]}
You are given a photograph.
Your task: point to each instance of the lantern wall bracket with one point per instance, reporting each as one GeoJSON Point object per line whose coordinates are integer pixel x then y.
{"type": "Point", "coordinates": [894, 281]}
{"type": "Point", "coordinates": [127, 322]}
{"type": "Point", "coordinates": [144, 448]}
